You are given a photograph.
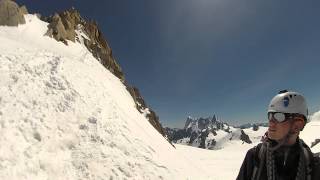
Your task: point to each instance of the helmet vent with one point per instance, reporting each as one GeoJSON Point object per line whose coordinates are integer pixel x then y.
{"type": "Point", "coordinates": [283, 91]}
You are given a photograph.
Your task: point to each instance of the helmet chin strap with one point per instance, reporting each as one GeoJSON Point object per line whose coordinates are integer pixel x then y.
{"type": "Point", "coordinates": [284, 140]}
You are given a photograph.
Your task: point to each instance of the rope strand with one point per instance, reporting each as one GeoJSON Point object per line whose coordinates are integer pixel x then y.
{"type": "Point", "coordinates": [271, 168]}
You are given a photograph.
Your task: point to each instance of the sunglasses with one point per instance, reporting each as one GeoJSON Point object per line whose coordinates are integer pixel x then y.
{"type": "Point", "coordinates": [280, 117]}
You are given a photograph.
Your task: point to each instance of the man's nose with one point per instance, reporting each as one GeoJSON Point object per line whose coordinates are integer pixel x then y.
{"type": "Point", "coordinates": [272, 122]}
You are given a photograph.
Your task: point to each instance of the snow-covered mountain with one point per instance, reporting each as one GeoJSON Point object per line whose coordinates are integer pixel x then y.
{"type": "Point", "coordinates": [210, 133]}
{"type": "Point", "coordinates": [65, 116]}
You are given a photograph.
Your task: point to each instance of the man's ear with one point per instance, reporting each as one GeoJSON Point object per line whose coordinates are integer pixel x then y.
{"type": "Point", "coordinates": [298, 125]}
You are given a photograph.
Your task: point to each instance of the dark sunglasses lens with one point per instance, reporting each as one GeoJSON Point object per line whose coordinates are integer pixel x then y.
{"type": "Point", "coordinates": [280, 117]}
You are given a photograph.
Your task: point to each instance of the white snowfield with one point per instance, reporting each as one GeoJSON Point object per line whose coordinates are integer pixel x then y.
{"type": "Point", "coordinates": [312, 132]}
{"type": "Point", "coordinates": [63, 116]}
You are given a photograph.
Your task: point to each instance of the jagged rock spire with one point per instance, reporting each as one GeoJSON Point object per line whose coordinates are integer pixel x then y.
{"type": "Point", "coordinates": [11, 14]}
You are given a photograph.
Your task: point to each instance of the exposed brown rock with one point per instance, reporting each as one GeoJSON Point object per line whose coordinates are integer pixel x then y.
{"type": "Point", "coordinates": [56, 29]}
{"type": "Point", "coordinates": [63, 27]}
{"type": "Point", "coordinates": [23, 10]}
{"type": "Point", "coordinates": [154, 120]}
{"type": "Point", "coordinates": [101, 50]}
{"type": "Point", "coordinates": [141, 105]}
{"type": "Point", "coordinates": [137, 97]}
{"type": "Point", "coordinates": [10, 13]}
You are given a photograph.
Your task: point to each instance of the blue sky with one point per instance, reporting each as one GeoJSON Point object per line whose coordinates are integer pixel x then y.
{"type": "Point", "coordinates": [205, 57]}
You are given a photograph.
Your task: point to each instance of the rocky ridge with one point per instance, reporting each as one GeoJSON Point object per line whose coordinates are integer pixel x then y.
{"type": "Point", "coordinates": [70, 26]}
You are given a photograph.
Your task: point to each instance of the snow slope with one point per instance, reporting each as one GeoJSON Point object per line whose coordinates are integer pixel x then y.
{"type": "Point", "coordinates": [64, 116]}
{"type": "Point", "coordinates": [224, 163]}
{"type": "Point", "coordinates": [311, 132]}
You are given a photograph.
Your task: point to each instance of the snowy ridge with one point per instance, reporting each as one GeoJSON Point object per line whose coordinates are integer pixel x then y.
{"type": "Point", "coordinates": [64, 116]}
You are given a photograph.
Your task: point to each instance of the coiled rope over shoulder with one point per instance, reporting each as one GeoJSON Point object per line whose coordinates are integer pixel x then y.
{"type": "Point", "coordinates": [266, 158]}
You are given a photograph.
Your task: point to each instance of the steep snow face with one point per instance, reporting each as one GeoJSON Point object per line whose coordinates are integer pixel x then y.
{"type": "Point", "coordinates": [64, 116]}
{"type": "Point", "coordinates": [311, 132]}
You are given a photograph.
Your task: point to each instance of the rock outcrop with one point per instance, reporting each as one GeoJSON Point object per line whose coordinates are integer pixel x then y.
{"type": "Point", "coordinates": [315, 142]}
{"type": "Point", "coordinates": [245, 138]}
{"type": "Point", "coordinates": [176, 134]}
{"type": "Point", "coordinates": [24, 10]}
{"type": "Point", "coordinates": [64, 26]}
{"type": "Point", "coordinates": [11, 14]}
{"type": "Point", "coordinates": [142, 106]}
{"type": "Point", "coordinates": [255, 127]}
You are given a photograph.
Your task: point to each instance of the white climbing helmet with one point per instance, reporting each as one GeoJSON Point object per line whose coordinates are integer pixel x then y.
{"type": "Point", "coordinates": [289, 102]}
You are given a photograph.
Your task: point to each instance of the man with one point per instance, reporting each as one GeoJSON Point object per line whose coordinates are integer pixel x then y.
{"type": "Point", "coordinates": [282, 155]}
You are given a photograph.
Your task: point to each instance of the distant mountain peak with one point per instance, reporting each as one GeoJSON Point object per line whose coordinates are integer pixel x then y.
{"type": "Point", "coordinates": [207, 133]}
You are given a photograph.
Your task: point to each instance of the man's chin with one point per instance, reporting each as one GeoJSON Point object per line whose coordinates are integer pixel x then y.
{"type": "Point", "coordinates": [272, 136]}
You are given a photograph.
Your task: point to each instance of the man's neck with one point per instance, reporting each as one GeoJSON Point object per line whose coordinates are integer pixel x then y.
{"type": "Point", "coordinates": [292, 140]}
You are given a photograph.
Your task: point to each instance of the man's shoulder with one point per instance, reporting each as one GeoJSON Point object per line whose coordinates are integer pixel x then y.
{"type": "Point", "coordinates": [316, 158]}
{"type": "Point", "coordinates": [256, 147]}
{"type": "Point", "coordinates": [316, 167]}
{"type": "Point", "coordinates": [254, 152]}
{"type": "Point", "coordinates": [314, 162]}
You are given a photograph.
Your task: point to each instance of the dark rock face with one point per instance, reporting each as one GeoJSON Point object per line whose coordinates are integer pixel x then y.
{"type": "Point", "coordinates": [11, 14]}
{"type": "Point", "coordinates": [245, 138]}
{"type": "Point", "coordinates": [64, 26]}
{"type": "Point", "coordinates": [315, 142]}
{"type": "Point", "coordinates": [142, 106]}
{"type": "Point", "coordinates": [101, 50]}
{"type": "Point", "coordinates": [203, 136]}
{"type": "Point", "coordinates": [176, 134]}
{"type": "Point", "coordinates": [137, 97]}
{"type": "Point", "coordinates": [188, 121]}
{"type": "Point", "coordinates": [212, 144]}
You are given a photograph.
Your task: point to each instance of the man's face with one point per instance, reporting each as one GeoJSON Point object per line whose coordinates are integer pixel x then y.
{"type": "Point", "coordinates": [278, 131]}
